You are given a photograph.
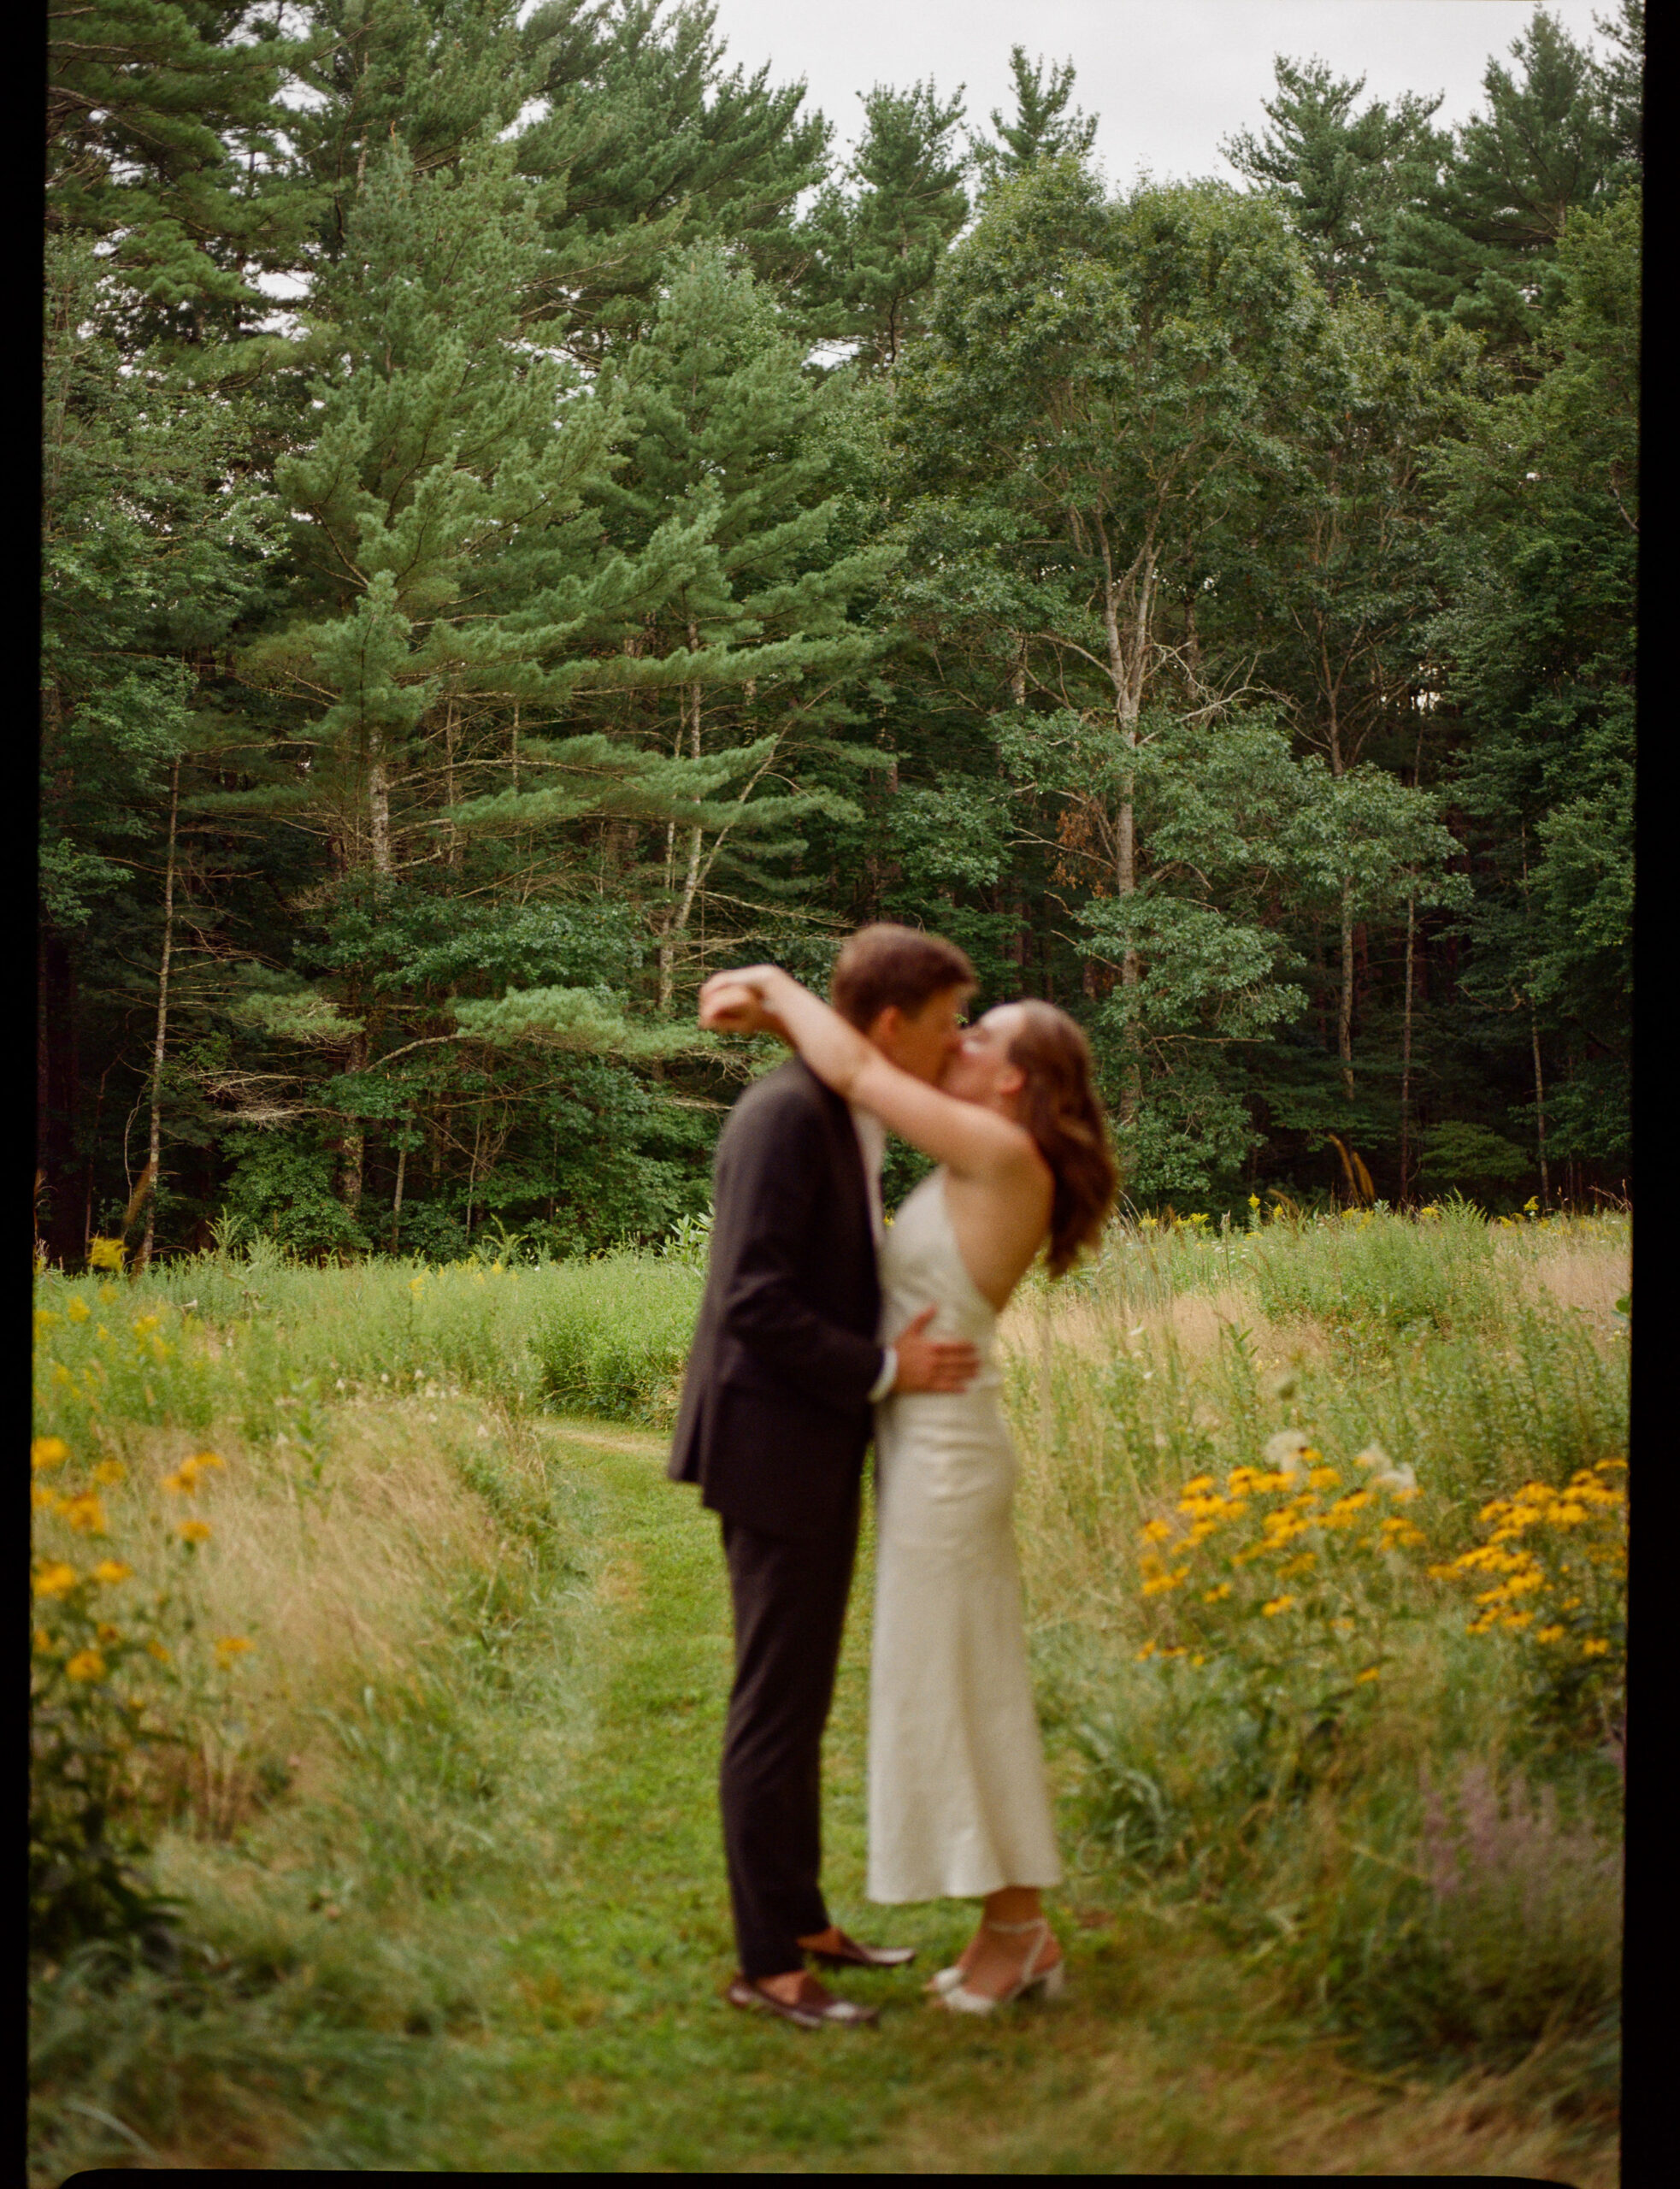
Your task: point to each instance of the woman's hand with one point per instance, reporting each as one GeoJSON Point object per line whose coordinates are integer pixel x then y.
{"type": "Point", "coordinates": [741, 1001]}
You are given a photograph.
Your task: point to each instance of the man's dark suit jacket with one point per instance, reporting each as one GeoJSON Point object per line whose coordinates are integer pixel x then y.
{"type": "Point", "coordinates": [775, 1419]}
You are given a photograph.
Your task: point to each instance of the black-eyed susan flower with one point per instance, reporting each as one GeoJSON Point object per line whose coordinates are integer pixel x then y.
{"type": "Point", "coordinates": [86, 1665]}
{"type": "Point", "coordinates": [53, 1577]}
{"type": "Point", "coordinates": [84, 1514]}
{"type": "Point", "coordinates": [194, 1530]}
{"type": "Point", "coordinates": [48, 1451]}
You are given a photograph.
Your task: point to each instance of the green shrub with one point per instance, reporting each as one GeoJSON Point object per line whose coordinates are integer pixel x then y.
{"type": "Point", "coordinates": [99, 1671]}
{"type": "Point", "coordinates": [611, 1337]}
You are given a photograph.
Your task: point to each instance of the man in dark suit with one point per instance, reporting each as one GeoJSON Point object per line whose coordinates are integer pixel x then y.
{"type": "Point", "coordinates": [774, 1424]}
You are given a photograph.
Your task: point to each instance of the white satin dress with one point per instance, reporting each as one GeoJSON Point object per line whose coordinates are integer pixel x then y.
{"type": "Point", "coordinates": [958, 1801]}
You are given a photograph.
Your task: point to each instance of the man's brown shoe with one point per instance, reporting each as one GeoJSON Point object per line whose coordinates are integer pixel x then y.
{"type": "Point", "coordinates": [812, 2006]}
{"type": "Point", "coordinates": [842, 1952]}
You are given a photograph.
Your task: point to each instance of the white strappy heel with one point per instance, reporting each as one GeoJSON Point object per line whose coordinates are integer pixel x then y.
{"type": "Point", "coordinates": [951, 1991]}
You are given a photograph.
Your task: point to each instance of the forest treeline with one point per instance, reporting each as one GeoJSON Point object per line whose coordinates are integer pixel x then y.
{"type": "Point", "coordinates": [527, 522]}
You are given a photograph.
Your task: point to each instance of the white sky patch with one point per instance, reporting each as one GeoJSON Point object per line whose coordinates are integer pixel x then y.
{"type": "Point", "coordinates": [1167, 79]}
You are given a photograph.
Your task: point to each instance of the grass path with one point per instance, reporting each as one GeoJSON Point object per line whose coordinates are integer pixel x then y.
{"type": "Point", "coordinates": [611, 2052]}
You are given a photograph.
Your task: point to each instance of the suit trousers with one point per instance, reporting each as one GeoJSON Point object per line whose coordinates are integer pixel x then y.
{"type": "Point", "coordinates": [790, 1612]}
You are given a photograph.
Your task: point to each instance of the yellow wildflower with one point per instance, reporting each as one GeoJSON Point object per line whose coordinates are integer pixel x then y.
{"type": "Point", "coordinates": [1276, 1605]}
{"type": "Point", "coordinates": [106, 1632]}
{"type": "Point", "coordinates": [1217, 1595]}
{"type": "Point", "coordinates": [194, 1530]}
{"type": "Point", "coordinates": [1157, 1531]}
{"type": "Point", "coordinates": [48, 1451]}
{"type": "Point", "coordinates": [84, 1514]}
{"type": "Point", "coordinates": [106, 1253]}
{"type": "Point", "coordinates": [1370, 1672]}
{"type": "Point", "coordinates": [111, 1471]}
{"type": "Point", "coordinates": [1596, 1648]}
{"type": "Point", "coordinates": [1197, 1485]}
{"type": "Point", "coordinates": [111, 1571]}
{"type": "Point", "coordinates": [42, 1500]}
{"type": "Point", "coordinates": [78, 1310]}
{"type": "Point", "coordinates": [155, 1648]}
{"type": "Point", "coordinates": [1325, 1479]}
{"type": "Point", "coordinates": [1147, 1651]}
{"type": "Point", "coordinates": [53, 1579]}
{"type": "Point", "coordinates": [86, 1664]}
{"type": "Point", "coordinates": [1549, 1634]}
{"type": "Point", "coordinates": [231, 1646]}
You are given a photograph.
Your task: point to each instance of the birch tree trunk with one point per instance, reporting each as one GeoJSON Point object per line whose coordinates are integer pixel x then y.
{"type": "Point", "coordinates": [160, 1043]}
{"type": "Point", "coordinates": [1128, 657]}
{"type": "Point", "coordinates": [1344, 1016]}
{"type": "Point", "coordinates": [379, 806]}
{"type": "Point", "coordinates": [397, 1204]}
{"type": "Point", "coordinates": [676, 923]}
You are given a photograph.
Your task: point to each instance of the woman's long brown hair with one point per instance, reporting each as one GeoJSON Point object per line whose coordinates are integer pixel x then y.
{"type": "Point", "coordinates": [1059, 1107]}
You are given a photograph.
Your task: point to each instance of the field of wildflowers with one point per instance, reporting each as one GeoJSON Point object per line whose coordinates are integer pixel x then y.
{"type": "Point", "coordinates": [1324, 1524]}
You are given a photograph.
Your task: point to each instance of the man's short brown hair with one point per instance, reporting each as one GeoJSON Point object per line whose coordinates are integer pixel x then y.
{"type": "Point", "coordinates": [883, 965]}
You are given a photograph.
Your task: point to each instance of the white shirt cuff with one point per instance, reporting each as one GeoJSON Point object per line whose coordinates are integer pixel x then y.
{"type": "Point", "coordinates": [888, 1376]}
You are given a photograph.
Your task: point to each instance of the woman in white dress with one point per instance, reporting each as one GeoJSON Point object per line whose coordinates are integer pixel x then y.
{"type": "Point", "coordinates": [957, 1803]}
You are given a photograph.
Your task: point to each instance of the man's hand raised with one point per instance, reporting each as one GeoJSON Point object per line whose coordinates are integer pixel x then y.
{"type": "Point", "coordinates": [933, 1364]}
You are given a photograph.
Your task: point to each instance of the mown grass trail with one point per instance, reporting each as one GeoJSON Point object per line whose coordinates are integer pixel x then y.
{"type": "Point", "coordinates": [606, 2047]}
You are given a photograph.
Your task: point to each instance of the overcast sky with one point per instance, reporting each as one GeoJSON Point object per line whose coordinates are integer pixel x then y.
{"type": "Point", "coordinates": [1168, 79]}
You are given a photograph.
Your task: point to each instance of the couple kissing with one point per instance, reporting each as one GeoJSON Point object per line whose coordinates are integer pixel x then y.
{"type": "Point", "coordinates": [819, 1330]}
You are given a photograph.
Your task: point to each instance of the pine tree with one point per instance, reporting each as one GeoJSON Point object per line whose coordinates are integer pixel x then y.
{"type": "Point", "coordinates": [166, 144]}
{"type": "Point", "coordinates": [1042, 128]}
{"type": "Point", "coordinates": [643, 143]}
{"type": "Point", "coordinates": [728, 431]}
{"type": "Point", "coordinates": [876, 251]}
{"type": "Point", "coordinates": [1343, 175]}
{"type": "Point", "coordinates": [1480, 249]}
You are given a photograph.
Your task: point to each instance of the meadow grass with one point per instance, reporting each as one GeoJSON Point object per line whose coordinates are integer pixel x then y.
{"type": "Point", "coordinates": [444, 1837]}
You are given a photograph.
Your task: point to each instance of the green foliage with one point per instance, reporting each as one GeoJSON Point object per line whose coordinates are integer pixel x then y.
{"type": "Point", "coordinates": [1344, 176]}
{"type": "Point", "coordinates": [876, 253]}
{"type": "Point", "coordinates": [282, 1183]}
{"type": "Point", "coordinates": [1268, 1620]}
{"type": "Point", "coordinates": [1478, 249]}
{"type": "Point", "coordinates": [1213, 608]}
{"type": "Point", "coordinates": [613, 1337]}
{"type": "Point", "coordinates": [1042, 128]}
